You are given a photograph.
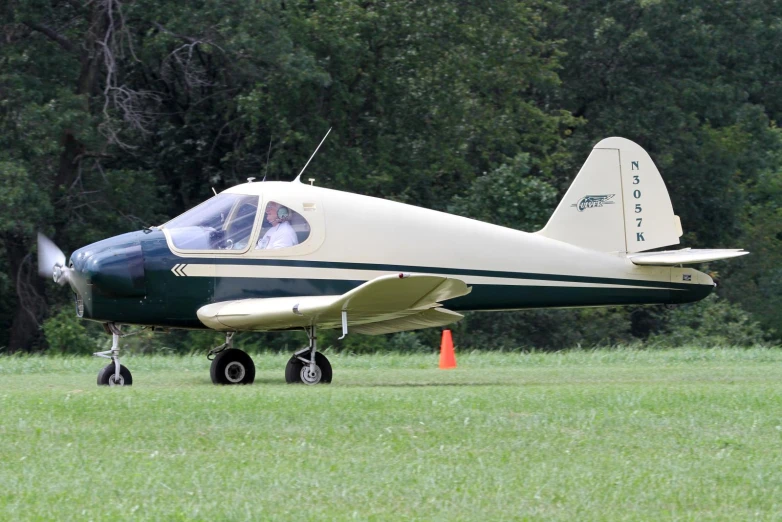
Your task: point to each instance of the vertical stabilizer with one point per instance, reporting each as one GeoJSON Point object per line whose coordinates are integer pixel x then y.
{"type": "Point", "coordinates": [617, 203]}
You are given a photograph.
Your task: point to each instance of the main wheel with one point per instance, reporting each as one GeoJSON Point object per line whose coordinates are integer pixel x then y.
{"type": "Point", "coordinates": [232, 366]}
{"type": "Point", "coordinates": [106, 376]}
{"type": "Point", "coordinates": [296, 371]}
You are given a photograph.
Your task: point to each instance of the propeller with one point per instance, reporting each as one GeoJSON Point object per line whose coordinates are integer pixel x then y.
{"type": "Point", "coordinates": [51, 261]}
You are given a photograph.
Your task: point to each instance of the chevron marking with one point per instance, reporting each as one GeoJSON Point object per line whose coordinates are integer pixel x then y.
{"type": "Point", "coordinates": [179, 270]}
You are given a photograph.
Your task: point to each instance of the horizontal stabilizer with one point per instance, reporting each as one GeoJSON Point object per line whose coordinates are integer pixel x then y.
{"type": "Point", "coordinates": [685, 256]}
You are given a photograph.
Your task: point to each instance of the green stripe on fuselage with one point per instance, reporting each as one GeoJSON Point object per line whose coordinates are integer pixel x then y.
{"type": "Point", "coordinates": [482, 297]}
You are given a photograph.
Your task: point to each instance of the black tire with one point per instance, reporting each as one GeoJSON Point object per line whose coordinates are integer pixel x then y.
{"type": "Point", "coordinates": [293, 371]}
{"type": "Point", "coordinates": [106, 376]}
{"type": "Point", "coordinates": [295, 366]}
{"type": "Point", "coordinates": [232, 366]}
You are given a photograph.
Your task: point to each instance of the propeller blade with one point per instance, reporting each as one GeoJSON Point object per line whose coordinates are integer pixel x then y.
{"type": "Point", "coordinates": [49, 256]}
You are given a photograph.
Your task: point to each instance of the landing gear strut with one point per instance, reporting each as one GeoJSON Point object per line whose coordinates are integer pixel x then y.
{"type": "Point", "coordinates": [113, 374]}
{"type": "Point", "coordinates": [230, 365]}
{"type": "Point", "coordinates": [308, 366]}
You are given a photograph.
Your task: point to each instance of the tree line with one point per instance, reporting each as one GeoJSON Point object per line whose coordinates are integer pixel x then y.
{"type": "Point", "coordinates": [116, 114]}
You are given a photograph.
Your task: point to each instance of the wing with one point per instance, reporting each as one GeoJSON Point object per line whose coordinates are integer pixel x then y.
{"type": "Point", "coordinates": [392, 303]}
{"type": "Point", "coordinates": [684, 257]}
{"type": "Point", "coordinates": [426, 319]}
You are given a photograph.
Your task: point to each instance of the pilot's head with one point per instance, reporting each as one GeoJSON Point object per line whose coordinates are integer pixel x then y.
{"type": "Point", "coordinates": [276, 213]}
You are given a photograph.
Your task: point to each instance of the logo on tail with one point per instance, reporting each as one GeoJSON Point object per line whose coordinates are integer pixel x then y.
{"type": "Point", "coordinates": [593, 202]}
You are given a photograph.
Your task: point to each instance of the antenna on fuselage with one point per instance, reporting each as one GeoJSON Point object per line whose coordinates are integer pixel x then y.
{"type": "Point", "coordinates": [267, 160]}
{"type": "Point", "coordinates": [298, 178]}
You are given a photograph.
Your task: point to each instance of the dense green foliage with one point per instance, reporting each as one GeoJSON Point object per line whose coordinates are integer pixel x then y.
{"type": "Point", "coordinates": [119, 113]}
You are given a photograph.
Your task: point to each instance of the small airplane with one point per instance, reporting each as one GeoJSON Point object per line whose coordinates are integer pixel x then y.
{"type": "Point", "coordinates": [271, 256]}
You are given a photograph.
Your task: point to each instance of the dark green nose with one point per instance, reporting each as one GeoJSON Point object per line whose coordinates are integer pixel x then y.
{"type": "Point", "coordinates": [114, 269]}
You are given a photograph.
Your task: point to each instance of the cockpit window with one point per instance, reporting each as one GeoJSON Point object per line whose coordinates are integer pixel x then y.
{"type": "Point", "coordinates": [282, 228]}
{"type": "Point", "coordinates": [224, 222]}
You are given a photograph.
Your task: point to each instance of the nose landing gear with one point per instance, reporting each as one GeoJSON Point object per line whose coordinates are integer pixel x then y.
{"type": "Point", "coordinates": [113, 374]}
{"type": "Point", "coordinates": [108, 376]}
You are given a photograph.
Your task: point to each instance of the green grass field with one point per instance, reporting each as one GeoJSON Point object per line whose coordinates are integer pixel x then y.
{"type": "Point", "coordinates": [690, 434]}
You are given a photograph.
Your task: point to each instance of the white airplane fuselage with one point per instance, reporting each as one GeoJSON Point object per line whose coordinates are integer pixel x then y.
{"type": "Point", "coordinates": [144, 278]}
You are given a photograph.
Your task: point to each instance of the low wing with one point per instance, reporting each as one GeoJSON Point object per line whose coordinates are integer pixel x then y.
{"type": "Point", "coordinates": [392, 303]}
{"type": "Point", "coordinates": [426, 319]}
{"type": "Point", "coordinates": [684, 257]}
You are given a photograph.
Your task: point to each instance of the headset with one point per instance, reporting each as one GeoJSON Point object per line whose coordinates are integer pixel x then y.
{"type": "Point", "coordinates": [282, 212]}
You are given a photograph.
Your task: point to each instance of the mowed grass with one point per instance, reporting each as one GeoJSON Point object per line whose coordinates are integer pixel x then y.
{"type": "Point", "coordinates": [689, 434]}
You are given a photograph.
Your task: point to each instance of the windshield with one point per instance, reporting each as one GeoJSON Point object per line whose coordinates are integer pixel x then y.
{"type": "Point", "coordinates": [224, 222]}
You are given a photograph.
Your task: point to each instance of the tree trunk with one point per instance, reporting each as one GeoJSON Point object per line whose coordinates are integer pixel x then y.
{"type": "Point", "coordinates": [30, 305]}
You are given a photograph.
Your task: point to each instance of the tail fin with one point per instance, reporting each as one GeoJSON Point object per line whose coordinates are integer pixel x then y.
{"type": "Point", "coordinates": [617, 203]}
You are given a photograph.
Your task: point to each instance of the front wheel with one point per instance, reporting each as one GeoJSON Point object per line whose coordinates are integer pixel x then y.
{"type": "Point", "coordinates": [298, 372]}
{"type": "Point", "coordinates": [107, 377]}
{"type": "Point", "coordinates": [232, 366]}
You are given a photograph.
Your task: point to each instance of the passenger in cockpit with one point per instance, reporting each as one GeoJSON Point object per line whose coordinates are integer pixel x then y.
{"type": "Point", "coordinates": [281, 233]}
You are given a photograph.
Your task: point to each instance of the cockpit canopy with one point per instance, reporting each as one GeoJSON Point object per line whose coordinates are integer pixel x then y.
{"type": "Point", "coordinates": [231, 221]}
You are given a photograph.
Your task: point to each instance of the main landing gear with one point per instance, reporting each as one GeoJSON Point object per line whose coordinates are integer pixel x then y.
{"type": "Point", "coordinates": [230, 365]}
{"type": "Point", "coordinates": [308, 366]}
{"type": "Point", "coordinates": [233, 366]}
{"type": "Point", "coordinates": [114, 374]}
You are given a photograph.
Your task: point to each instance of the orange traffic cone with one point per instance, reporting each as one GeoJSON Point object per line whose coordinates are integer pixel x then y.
{"type": "Point", "coordinates": [447, 358]}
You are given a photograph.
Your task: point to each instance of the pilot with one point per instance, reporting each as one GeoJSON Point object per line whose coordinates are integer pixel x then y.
{"type": "Point", "coordinates": [281, 234]}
